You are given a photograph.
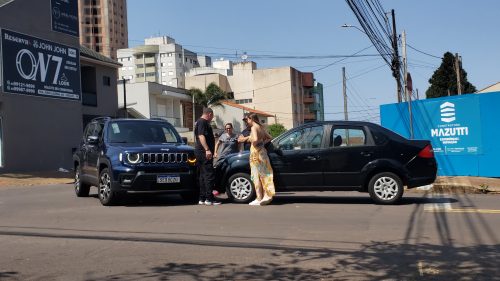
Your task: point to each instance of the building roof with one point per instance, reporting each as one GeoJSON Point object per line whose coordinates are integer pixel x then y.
{"type": "Point", "coordinates": [248, 109]}
{"type": "Point", "coordinates": [89, 53]}
{"type": "Point", "coordinates": [493, 87]}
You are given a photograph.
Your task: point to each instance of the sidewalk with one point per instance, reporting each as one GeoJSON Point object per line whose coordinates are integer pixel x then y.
{"type": "Point", "coordinates": [35, 178]}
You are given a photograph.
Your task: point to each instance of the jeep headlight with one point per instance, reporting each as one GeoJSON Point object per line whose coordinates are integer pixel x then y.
{"type": "Point", "coordinates": [134, 158]}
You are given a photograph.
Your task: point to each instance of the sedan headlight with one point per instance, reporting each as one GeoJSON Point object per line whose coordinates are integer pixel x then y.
{"type": "Point", "coordinates": [134, 158]}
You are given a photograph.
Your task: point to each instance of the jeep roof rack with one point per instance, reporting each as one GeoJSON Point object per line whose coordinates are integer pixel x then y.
{"type": "Point", "coordinates": [104, 118]}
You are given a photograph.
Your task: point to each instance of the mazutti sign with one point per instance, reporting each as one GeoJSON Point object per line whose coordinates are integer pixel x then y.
{"type": "Point", "coordinates": [37, 67]}
{"type": "Point", "coordinates": [454, 126]}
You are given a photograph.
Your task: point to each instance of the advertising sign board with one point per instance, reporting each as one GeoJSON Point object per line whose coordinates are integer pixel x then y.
{"type": "Point", "coordinates": [37, 67]}
{"type": "Point", "coordinates": [453, 126]}
{"type": "Point", "coordinates": [65, 16]}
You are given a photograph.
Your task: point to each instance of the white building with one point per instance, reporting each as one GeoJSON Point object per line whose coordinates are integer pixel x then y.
{"type": "Point", "coordinates": [159, 60]}
{"type": "Point", "coordinates": [153, 100]}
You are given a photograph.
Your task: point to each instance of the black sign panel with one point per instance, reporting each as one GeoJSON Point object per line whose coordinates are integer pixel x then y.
{"type": "Point", "coordinates": [65, 16]}
{"type": "Point", "coordinates": [36, 67]}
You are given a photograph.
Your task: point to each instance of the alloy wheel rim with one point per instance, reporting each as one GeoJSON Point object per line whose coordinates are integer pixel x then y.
{"type": "Point", "coordinates": [104, 186]}
{"type": "Point", "coordinates": [241, 188]}
{"type": "Point", "coordinates": [386, 188]}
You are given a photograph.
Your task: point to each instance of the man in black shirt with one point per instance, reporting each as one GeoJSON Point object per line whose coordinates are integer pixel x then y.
{"type": "Point", "coordinates": [204, 150]}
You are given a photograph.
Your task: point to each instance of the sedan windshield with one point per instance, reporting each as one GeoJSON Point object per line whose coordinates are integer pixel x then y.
{"type": "Point", "coordinates": [142, 132]}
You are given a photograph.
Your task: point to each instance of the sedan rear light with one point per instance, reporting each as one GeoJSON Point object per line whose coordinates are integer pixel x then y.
{"type": "Point", "coordinates": [427, 152]}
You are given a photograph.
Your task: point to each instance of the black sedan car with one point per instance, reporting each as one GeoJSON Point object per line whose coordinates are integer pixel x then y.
{"type": "Point", "coordinates": [337, 155]}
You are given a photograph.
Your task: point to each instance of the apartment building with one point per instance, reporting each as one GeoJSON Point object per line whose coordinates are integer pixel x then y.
{"type": "Point", "coordinates": [159, 60]}
{"type": "Point", "coordinates": [103, 25]}
{"type": "Point", "coordinates": [286, 93]}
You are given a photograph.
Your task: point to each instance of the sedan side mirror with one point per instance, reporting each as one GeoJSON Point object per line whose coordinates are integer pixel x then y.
{"type": "Point", "coordinates": [184, 140]}
{"type": "Point", "coordinates": [93, 140]}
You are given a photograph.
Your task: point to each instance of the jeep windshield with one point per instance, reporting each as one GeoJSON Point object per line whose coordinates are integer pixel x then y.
{"type": "Point", "coordinates": [142, 132]}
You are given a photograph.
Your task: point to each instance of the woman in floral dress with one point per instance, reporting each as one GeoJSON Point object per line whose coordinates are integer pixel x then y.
{"type": "Point", "coordinates": [260, 166]}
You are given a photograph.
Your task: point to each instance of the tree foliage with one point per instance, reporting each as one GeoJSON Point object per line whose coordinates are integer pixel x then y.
{"type": "Point", "coordinates": [444, 79]}
{"type": "Point", "coordinates": [211, 97]}
{"type": "Point", "coordinates": [276, 129]}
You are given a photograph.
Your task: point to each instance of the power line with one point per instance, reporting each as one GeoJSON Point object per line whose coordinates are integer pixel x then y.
{"type": "Point", "coordinates": [422, 52]}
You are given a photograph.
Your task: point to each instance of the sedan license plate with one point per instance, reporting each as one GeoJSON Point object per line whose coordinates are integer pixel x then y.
{"type": "Point", "coordinates": [168, 179]}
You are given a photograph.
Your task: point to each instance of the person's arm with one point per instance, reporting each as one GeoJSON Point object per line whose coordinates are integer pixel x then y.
{"type": "Point", "coordinates": [216, 148]}
{"type": "Point", "coordinates": [203, 142]}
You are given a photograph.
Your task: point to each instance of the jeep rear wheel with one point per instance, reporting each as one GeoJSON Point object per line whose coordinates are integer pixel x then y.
{"type": "Point", "coordinates": [81, 189]}
{"type": "Point", "coordinates": [240, 188]}
{"type": "Point", "coordinates": [107, 196]}
{"type": "Point", "coordinates": [385, 188]}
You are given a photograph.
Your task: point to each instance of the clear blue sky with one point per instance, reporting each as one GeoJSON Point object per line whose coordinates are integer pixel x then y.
{"type": "Point", "coordinates": [293, 27]}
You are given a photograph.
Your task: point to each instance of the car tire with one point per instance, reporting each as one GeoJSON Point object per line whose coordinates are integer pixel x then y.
{"type": "Point", "coordinates": [81, 189]}
{"type": "Point", "coordinates": [107, 196]}
{"type": "Point", "coordinates": [240, 188]}
{"type": "Point", "coordinates": [386, 188]}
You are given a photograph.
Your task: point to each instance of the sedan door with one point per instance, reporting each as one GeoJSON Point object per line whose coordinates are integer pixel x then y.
{"type": "Point", "coordinates": [352, 148]}
{"type": "Point", "coordinates": [301, 162]}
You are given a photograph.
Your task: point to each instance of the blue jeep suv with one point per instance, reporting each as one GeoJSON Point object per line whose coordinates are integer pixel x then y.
{"type": "Point", "coordinates": [128, 156]}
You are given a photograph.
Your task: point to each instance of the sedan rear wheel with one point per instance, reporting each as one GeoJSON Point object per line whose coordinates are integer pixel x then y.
{"type": "Point", "coordinates": [240, 188]}
{"type": "Point", "coordinates": [385, 188]}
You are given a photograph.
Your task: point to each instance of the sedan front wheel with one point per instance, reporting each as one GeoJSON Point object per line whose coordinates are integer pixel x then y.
{"type": "Point", "coordinates": [240, 188]}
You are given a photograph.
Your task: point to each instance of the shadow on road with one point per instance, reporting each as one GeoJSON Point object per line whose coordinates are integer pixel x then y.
{"type": "Point", "coordinates": [280, 199]}
{"type": "Point", "coordinates": [374, 261]}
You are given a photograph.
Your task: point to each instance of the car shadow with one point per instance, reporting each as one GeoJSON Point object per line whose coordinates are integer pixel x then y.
{"type": "Point", "coordinates": [357, 199]}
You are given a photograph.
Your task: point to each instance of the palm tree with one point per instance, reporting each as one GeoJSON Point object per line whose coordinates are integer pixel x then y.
{"type": "Point", "coordinates": [212, 97]}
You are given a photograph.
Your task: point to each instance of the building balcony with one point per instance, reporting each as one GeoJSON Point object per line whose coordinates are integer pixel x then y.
{"type": "Point", "coordinates": [309, 99]}
{"type": "Point", "coordinates": [307, 79]}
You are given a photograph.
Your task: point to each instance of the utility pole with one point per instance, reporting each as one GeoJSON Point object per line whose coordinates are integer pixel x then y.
{"type": "Point", "coordinates": [345, 94]}
{"type": "Point", "coordinates": [457, 70]}
{"type": "Point", "coordinates": [407, 93]}
{"type": "Point", "coordinates": [395, 59]}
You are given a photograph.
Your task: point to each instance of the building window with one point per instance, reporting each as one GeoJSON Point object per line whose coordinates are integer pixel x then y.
{"type": "Point", "coordinates": [169, 63]}
{"type": "Point", "coordinates": [150, 74]}
{"type": "Point", "coordinates": [244, 101]}
{"type": "Point", "coordinates": [163, 74]}
{"type": "Point", "coordinates": [139, 75]}
{"type": "Point", "coordinates": [170, 73]}
{"type": "Point", "coordinates": [106, 81]}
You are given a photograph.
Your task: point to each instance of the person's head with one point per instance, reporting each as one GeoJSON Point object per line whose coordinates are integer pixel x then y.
{"type": "Point", "coordinates": [252, 119]}
{"type": "Point", "coordinates": [228, 128]}
{"type": "Point", "coordinates": [245, 119]}
{"type": "Point", "coordinates": [208, 114]}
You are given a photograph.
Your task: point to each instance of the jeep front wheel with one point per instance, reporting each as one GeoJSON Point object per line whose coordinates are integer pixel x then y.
{"type": "Point", "coordinates": [106, 195]}
{"type": "Point", "coordinates": [81, 189]}
{"type": "Point", "coordinates": [240, 188]}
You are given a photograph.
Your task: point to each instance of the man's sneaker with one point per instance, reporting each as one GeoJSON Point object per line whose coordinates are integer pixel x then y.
{"type": "Point", "coordinates": [212, 203]}
{"type": "Point", "coordinates": [201, 202]}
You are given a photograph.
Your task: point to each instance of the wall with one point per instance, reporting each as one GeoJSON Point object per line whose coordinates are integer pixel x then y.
{"type": "Point", "coordinates": [38, 133]}
{"type": "Point", "coordinates": [465, 152]}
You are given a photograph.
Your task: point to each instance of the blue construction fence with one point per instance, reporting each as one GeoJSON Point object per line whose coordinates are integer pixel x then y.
{"type": "Point", "coordinates": [464, 131]}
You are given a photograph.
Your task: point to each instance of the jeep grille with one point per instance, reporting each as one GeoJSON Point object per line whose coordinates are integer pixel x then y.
{"type": "Point", "coordinates": [158, 158]}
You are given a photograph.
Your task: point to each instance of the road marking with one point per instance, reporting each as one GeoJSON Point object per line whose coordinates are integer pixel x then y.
{"type": "Point", "coordinates": [438, 207]}
{"type": "Point", "coordinates": [461, 210]}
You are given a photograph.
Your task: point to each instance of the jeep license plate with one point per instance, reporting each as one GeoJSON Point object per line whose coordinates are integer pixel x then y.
{"type": "Point", "coordinates": [168, 179]}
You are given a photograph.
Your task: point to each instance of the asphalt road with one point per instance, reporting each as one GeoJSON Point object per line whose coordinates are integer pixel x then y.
{"type": "Point", "coordinates": [46, 233]}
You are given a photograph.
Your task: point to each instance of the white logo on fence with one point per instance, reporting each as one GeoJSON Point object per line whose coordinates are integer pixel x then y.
{"type": "Point", "coordinates": [447, 112]}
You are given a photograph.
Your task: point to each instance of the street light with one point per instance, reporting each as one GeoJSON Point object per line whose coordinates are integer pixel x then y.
{"type": "Point", "coordinates": [124, 80]}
